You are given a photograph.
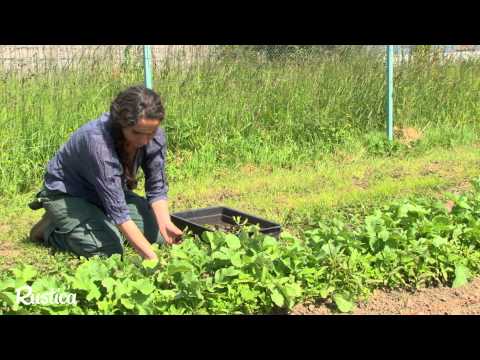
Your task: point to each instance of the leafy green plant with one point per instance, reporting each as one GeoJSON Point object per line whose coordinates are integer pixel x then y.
{"type": "Point", "coordinates": [408, 243]}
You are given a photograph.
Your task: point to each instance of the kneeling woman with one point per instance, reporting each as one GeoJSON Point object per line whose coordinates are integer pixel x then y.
{"type": "Point", "coordinates": [87, 193]}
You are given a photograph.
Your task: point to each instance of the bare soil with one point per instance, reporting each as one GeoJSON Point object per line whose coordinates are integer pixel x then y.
{"type": "Point", "coordinates": [429, 301]}
{"type": "Point", "coordinates": [7, 250]}
{"type": "Point", "coordinates": [224, 194]}
{"type": "Point", "coordinates": [432, 168]}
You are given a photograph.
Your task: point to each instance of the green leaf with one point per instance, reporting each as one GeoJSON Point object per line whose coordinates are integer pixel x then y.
{"type": "Point", "coordinates": [220, 255]}
{"type": "Point", "coordinates": [96, 269]}
{"type": "Point", "coordinates": [103, 306]}
{"type": "Point", "coordinates": [247, 294]}
{"type": "Point", "coordinates": [439, 241]}
{"type": "Point", "coordinates": [144, 286]}
{"type": "Point", "coordinates": [286, 236]}
{"type": "Point", "coordinates": [372, 241]}
{"type": "Point", "coordinates": [142, 310]}
{"type": "Point", "coordinates": [7, 284]}
{"type": "Point", "coordinates": [178, 267]}
{"type": "Point", "coordinates": [277, 298]}
{"type": "Point", "coordinates": [86, 275]}
{"type": "Point", "coordinates": [218, 276]}
{"type": "Point", "coordinates": [221, 274]}
{"type": "Point", "coordinates": [330, 249]}
{"type": "Point", "coordinates": [169, 295]}
{"type": "Point", "coordinates": [232, 241]}
{"type": "Point", "coordinates": [463, 203]}
{"type": "Point", "coordinates": [24, 274]}
{"type": "Point", "coordinates": [441, 220]}
{"type": "Point", "coordinates": [462, 274]}
{"type": "Point", "coordinates": [122, 288]}
{"type": "Point", "coordinates": [236, 260]}
{"type": "Point", "coordinates": [372, 222]}
{"type": "Point", "coordinates": [9, 298]}
{"type": "Point", "coordinates": [108, 283]}
{"type": "Point", "coordinates": [94, 293]}
{"type": "Point", "coordinates": [444, 272]}
{"type": "Point", "coordinates": [44, 284]}
{"type": "Point", "coordinates": [293, 290]}
{"type": "Point", "coordinates": [150, 264]}
{"type": "Point", "coordinates": [384, 234]}
{"type": "Point", "coordinates": [212, 239]}
{"type": "Point", "coordinates": [269, 241]}
{"type": "Point", "coordinates": [325, 291]}
{"type": "Point", "coordinates": [405, 209]}
{"type": "Point", "coordinates": [127, 303]}
{"type": "Point", "coordinates": [230, 271]}
{"type": "Point", "coordinates": [343, 304]}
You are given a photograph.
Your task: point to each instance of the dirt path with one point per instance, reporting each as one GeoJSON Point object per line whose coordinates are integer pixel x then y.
{"type": "Point", "coordinates": [432, 301]}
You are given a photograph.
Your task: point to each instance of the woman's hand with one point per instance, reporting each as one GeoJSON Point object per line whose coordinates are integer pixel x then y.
{"type": "Point", "coordinates": [137, 239]}
{"type": "Point", "coordinates": [171, 233]}
{"type": "Point", "coordinates": [168, 230]}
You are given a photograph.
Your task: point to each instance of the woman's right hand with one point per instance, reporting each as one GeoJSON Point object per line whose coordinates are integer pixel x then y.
{"type": "Point", "coordinates": [151, 256]}
{"type": "Point", "coordinates": [137, 239]}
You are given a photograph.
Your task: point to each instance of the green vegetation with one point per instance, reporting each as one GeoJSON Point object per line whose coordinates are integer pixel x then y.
{"type": "Point", "coordinates": [228, 110]}
{"type": "Point", "coordinates": [405, 244]}
{"type": "Point", "coordinates": [298, 139]}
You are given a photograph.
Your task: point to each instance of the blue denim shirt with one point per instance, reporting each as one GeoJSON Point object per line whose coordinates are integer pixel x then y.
{"type": "Point", "coordinates": [88, 166]}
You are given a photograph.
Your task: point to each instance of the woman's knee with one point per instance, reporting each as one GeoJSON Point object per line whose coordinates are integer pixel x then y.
{"type": "Point", "coordinates": [81, 228]}
{"type": "Point", "coordinates": [95, 237]}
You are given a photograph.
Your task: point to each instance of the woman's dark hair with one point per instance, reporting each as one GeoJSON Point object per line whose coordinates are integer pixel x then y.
{"type": "Point", "coordinates": [129, 106]}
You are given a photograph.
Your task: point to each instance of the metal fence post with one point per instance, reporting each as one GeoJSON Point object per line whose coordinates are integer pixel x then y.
{"type": "Point", "coordinates": [147, 61]}
{"type": "Point", "coordinates": [390, 92]}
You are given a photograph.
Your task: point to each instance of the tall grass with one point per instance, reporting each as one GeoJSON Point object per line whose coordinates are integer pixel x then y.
{"type": "Point", "coordinates": [230, 110]}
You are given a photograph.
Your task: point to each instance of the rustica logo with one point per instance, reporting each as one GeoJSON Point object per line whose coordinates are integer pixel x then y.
{"type": "Point", "coordinates": [26, 296]}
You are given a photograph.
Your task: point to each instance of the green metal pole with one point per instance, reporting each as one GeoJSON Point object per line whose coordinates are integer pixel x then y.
{"type": "Point", "coordinates": [390, 92]}
{"type": "Point", "coordinates": [147, 61]}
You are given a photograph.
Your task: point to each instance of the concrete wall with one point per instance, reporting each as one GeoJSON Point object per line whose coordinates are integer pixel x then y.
{"type": "Point", "coordinates": [36, 57]}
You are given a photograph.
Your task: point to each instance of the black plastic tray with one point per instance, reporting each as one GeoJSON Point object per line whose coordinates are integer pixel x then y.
{"type": "Point", "coordinates": [220, 215]}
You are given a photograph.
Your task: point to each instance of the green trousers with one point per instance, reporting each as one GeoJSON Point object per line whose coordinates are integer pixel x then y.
{"type": "Point", "coordinates": [82, 228]}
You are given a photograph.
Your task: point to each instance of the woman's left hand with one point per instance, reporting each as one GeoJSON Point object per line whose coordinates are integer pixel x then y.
{"type": "Point", "coordinates": [171, 233]}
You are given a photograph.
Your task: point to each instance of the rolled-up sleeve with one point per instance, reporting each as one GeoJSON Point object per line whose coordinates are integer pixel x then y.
{"type": "Point", "coordinates": [153, 165]}
{"type": "Point", "coordinates": [104, 172]}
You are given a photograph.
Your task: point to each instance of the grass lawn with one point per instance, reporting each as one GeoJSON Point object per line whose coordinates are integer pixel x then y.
{"type": "Point", "coordinates": [291, 196]}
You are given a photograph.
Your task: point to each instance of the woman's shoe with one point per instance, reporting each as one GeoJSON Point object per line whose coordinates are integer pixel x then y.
{"type": "Point", "coordinates": [36, 233]}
